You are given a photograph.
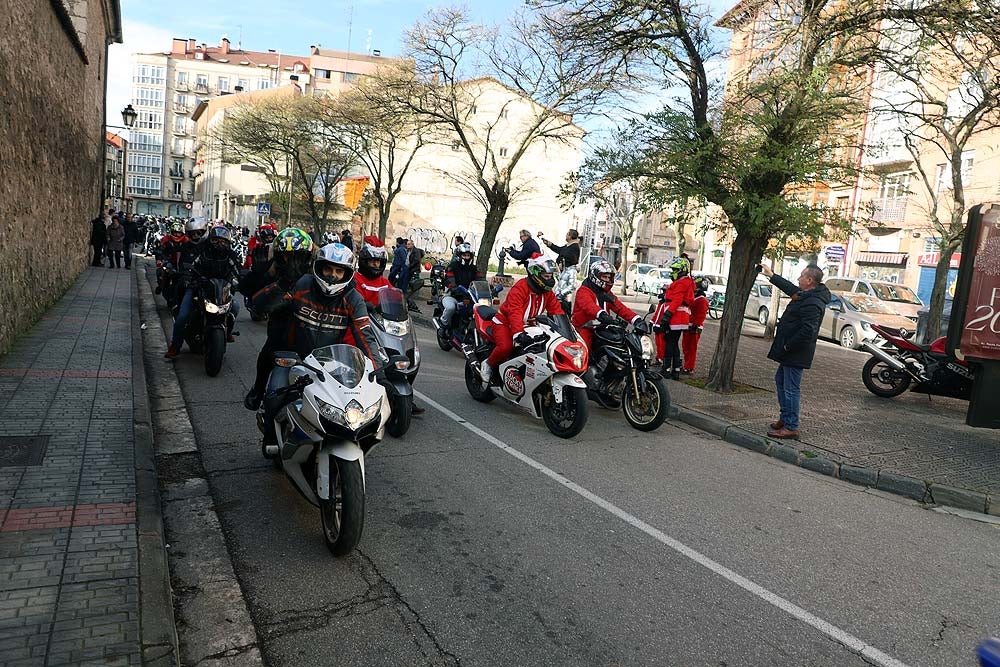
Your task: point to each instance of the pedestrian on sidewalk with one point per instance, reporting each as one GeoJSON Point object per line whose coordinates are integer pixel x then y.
{"type": "Point", "coordinates": [98, 237]}
{"type": "Point", "coordinates": [795, 342]}
{"type": "Point", "coordinates": [116, 242]}
{"type": "Point", "coordinates": [673, 316]}
{"type": "Point", "coordinates": [690, 338]}
{"type": "Point", "coordinates": [131, 227]}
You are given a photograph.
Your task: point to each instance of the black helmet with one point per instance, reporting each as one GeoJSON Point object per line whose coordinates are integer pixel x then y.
{"type": "Point", "coordinates": [219, 241]}
{"type": "Point", "coordinates": [371, 261]}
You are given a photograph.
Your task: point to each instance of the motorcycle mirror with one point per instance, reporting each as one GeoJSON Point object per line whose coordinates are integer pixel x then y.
{"type": "Point", "coordinates": [651, 309]}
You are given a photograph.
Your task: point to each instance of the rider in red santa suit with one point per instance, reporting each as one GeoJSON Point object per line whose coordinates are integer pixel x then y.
{"type": "Point", "coordinates": [594, 301]}
{"type": "Point", "coordinates": [368, 279]}
{"type": "Point", "coordinates": [527, 299]}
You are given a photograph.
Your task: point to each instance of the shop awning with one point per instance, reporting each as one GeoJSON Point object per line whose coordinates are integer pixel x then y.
{"type": "Point", "coordinates": [882, 258]}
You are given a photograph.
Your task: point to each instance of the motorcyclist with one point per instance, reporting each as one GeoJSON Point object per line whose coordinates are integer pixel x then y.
{"type": "Point", "coordinates": [369, 280]}
{"type": "Point", "coordinates": [291, 256]}
{"type": "Point", "coordinates": [527, 299]}
{"type": "Point", "coordinates": [258, 248]}
{"type": "Point", "coordinates": [594, 301]}
{"type": "Point", "coordinates": [168, 259]}
{"type": "Point", "coordinates": [323, 306]}
{"type": "Point", "coordinates": [330, 237]}
{"type": "Point", "coordinates": [460, 273]}
{"type": "Point", "coordinates": [673, 315]}
{"type": "Point", "coordinates": [213, 258]}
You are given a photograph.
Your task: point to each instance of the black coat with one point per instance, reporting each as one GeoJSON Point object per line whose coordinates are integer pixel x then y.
{"type": "Point", "coordinates": [98, 232]}
{"type": "Point", "coordinates": [528, 248]}
{"type": "Point", "coordinates": [795, 338]}
{"type": "Point", "coordinates": [131, 231]}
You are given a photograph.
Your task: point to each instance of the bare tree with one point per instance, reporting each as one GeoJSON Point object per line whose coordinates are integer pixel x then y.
{"type": "Point", "coordinates": [938, 91]}
{"type": "Point", "coordinates": [460, 63]}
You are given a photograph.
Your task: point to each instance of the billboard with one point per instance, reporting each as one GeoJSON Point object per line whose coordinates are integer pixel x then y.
{"type": "Point", "coordinates": [975, 333]}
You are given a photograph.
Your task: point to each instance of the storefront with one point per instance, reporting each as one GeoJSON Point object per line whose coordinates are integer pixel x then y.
{"type": "Point", "coordinates": [886, 266]}
{"type": "Point", "coordinates": [928, 267]}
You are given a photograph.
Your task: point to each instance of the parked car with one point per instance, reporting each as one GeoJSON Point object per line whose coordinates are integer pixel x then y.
{"type": "Point", "coordinates": [899, 297]}
{"type": "Point", "coordinates": [759, 303]}
{"type": "Point", "coordinates": [849, 316]}
{"type": "Point", "coordinates": [653, 281]}
{"type": "Point", "coordinates": [716, 283]}
{"type": "Point", "coordinates": [635, 272]}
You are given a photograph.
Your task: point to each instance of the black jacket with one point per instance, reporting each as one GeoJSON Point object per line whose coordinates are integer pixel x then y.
{"type": "Point", "coordinates": [98, 232]}
{"type": "Point", "coordinates": [460, 274]}
{"type": "Point", "coordinates": [569, 254]}
{"type": "Point", "coordinates": [131, 230]}
{"type": "Point", "coordinates": [795, 338]}
{"type": "Point", "coordinates": [528, 248]}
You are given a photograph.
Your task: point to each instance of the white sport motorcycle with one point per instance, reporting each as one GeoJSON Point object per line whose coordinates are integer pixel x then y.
{"type": "Point", "coordinates": [328, 412]}
{"type": "Point", "coordinates": [543, 377]}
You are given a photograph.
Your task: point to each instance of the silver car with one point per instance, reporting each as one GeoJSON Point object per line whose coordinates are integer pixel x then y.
{"type": "Point", "coordinates": [899, 297]}
{"type": "Point", "coordinates": [759, 303]}
{"type": "Point", "coordinates": [849, 317]}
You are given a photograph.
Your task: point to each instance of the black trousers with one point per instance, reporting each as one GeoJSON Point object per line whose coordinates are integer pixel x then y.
{"type": "Point", "coordinates": [98, 255]}
{"type": "Point", "coordinates": [673, 353]}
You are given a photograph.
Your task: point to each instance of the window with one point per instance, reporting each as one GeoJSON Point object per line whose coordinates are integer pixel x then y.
{"type": "Point", "coordinates": [139, 163]}
{"type": "Point", "coordinates": [146, 141]}
{"type": "Point", "coordinates": [264, 84]}
{"type": "Point", "coordinates": [177, 187]}
{"type": "Point", "coordinates": [223, 84]}
{"type": "Point", "coordinates": [350, 77]}
{"type": "Point", "coordinates": [322, 73]}
{"type": "Point", "coordinates": [202, 82]}
{"type": "Point", "coordinates": [177, 171]}
{"type": "Point", "coordinates": [180, 124]}
{"type": "Point", "coordinates": [944, 171]}
{"type": "Point", "coordinates": [862, 288]}
{"type": "Point", "coordinates": [148, 97]}
{"type": "Point", "coordinates": [148, 186]}
{"type": "Point", "coordinates": [503, 152]}
{"type": "Point", "coordinates": [150, 74]}
{"type": "Point", "coordinates": [243, 83]}
{"type": "Point", "coordinates": [182, 78]}
{"type": "Point", "coordinates": [178, 146]}
{"type": "Point", "coordinates": [149, 120]}
{"type": "Point", "coordinates": [895, 186]}
{"type": "Point", "coordinates": [182, 100]}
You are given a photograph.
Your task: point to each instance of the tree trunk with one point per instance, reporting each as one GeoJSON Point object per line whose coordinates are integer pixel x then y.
{"type": "Point", "coordinates": [939, 292]}
{"type": "Point", "coordinates": [494, 218]}
{"type": "Point", "coordinates": [383, 222]}
{"type": "Point", "coordinates": [746, 253]}
{"type": "Point", "coordinates": [624, 265]}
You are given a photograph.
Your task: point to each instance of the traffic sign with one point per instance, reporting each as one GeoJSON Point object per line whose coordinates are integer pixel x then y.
{"type": "Point", "coordinates": [188, 206]}
{"type": "Point", "coordinates": [263, 208]}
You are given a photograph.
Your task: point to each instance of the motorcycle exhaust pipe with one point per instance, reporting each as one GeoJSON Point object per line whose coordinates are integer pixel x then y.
{"type": "Point", "coordinates": [882, 355]}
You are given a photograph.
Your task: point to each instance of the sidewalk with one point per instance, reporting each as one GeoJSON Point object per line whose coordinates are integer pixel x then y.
{"type": "Point", "coordinates": [74, 446]}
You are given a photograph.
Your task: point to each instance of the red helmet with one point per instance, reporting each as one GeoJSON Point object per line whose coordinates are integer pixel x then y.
{"type": "Point", "coordinates": [266, 232]}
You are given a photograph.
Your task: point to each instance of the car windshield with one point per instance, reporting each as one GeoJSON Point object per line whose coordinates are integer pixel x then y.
{"type": "Point", "coordinates": [344, 363]}
{"type": "Point", "coordinates": [867, 304]}
{"type": "Point", "coordinates": [897, 293]}
{"type": "Point", "coordinates": [392, 305]}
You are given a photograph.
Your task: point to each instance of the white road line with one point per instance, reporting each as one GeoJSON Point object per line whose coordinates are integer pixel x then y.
{"type": "Point", "coordinates": [843, 637]}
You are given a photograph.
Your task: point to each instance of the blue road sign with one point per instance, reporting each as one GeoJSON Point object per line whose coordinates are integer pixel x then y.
{"type": "Point", "coordinates": [263, 208]}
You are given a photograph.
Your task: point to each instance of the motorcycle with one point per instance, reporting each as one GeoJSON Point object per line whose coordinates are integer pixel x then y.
{"type": "Point", "coordinates": [328, 413]}
{"type": "Point", "coordinates": [211, 321]}
{"type": "Point", "coordinates": [154, 235]}
{"type": "Point", "coordinates": [437, 278]}
{"type": "Point", "coordinates": [392, 325]}
{"type": "Point", "coordinates": [543, 377]}
{"type": "Point", "coordinates": [716, 304]}
{"type": "Point", "coordinates": [621, 377]}
{"type": "Point", "coordinates": [477, 293]}
{"type": "Point", "coordinates": [902, 364]}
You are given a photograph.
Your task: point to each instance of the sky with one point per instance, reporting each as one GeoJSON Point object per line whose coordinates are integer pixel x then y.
{"type": "Point", "coordinates": [289, 25]}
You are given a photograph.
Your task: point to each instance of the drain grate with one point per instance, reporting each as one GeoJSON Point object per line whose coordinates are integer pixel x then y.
{"type": "Point", "coordinates": [17, 450]}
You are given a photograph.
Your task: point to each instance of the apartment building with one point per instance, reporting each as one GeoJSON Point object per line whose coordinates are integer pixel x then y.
{"type": "Point", "coordinates": [166, 89]}
{"type": "Point", "coordinates": [115, 151]}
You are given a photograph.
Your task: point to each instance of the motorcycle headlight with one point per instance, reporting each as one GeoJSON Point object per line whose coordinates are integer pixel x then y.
{"type": "Point", "coordinates": [353, 416]}
{"type": "Point", "coordinates": [215, 308]}
{"type": "Point", "coordinates": [397, 328]}
{"type": "Point", "coordinates": [648, 349]}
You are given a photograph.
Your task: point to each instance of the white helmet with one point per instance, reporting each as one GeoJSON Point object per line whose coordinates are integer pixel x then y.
{"type": "Point", "coordinates": [197, 226]}
{"type": "Point", "coordinates": [333, 254]}
{"type": "Point", "coordinates": [330, 237]}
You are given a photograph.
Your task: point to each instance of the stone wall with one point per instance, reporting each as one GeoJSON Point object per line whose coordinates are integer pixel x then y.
{"type": "Point", "coordinates": [51, 149]}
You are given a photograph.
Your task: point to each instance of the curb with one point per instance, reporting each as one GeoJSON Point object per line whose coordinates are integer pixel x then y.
{"type": "Point", "coordinates": [923, 491]}
{"type": "Point", "coordinates": [158, 630]}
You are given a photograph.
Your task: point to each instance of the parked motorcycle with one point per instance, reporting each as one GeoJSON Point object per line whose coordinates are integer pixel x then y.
{"type": "Point", "coordinates": [391, 319]}
{"type": "Point", "coordinates": [477, 293]}
{"type": "Point", "coordinates": [902, 364]}
{"type": "Point", "coordinates": [543, 377]}
{"type": "Point", "coordinates": [211, 321]}
{"type": "Point", "coordinates": [437, 278]}
{"type": "Point", "coordinates": [621, 377]}
{"type": "Point", "coordinates": [328, 413]}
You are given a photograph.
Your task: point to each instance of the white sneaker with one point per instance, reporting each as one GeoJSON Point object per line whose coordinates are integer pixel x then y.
{"type": "Point", "coordinates": [486, 372]}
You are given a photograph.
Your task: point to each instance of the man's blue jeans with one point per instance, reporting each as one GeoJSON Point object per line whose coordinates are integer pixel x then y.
{"type": "Point", "coordinates": [787, 381]}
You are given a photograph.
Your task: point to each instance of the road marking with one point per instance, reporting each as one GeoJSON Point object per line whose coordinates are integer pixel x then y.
{"type": "Point", "coordinates": [843, 637]}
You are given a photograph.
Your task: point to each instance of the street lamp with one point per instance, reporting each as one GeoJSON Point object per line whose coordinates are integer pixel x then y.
{"type": "Point", "coordinates": [129, 115]}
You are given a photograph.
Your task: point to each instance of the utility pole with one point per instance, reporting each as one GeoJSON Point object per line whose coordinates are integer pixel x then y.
{"type": "Point", "coordinates": [291, 180]}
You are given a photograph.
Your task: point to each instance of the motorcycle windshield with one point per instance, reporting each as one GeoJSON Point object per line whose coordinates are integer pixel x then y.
{"type": "Point", "coordinates": [344, 363]}
{"type": "Point", "coordinates": [562, 324]}
{"type": "Point", "coordinates": [392, 305]}
{"type": "Point", "coordinates": [480, 290]}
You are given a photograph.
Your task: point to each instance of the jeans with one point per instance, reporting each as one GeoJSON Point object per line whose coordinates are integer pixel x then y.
{"type": "Point", "coordinates": [449, 305]}
{"type": "Point", "coordinates": [787, 381]}
{"type": "Point", "coordinates": [184, 316]}
{"type": "Point", "coordinates": [128, 255]}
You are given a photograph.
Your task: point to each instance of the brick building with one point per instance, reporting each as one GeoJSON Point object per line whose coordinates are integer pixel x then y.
{"type": "Point", "coordinates": [53, 67]}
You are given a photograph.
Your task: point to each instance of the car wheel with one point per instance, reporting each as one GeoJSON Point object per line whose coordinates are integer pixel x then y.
{"type": "Point", "coordinates": [762, 316]}
{"type": "Point", "coordinates": [849, 338]}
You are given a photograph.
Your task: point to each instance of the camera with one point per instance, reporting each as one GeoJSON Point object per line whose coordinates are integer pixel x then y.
{"type": "Point", "coordinates": [758, 267]}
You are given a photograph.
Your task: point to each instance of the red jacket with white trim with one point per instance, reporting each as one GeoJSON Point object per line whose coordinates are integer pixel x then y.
{"type": "Point", "coordinates": [524, 304]}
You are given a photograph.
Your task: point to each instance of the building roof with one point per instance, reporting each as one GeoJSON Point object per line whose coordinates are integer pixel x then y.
{"type": "Point", "coordinates": [189, 49]}
{"type": "Point", "coordinates": [348, 55]}
{"type": "Point", "coordinates": [114, 140]}
{"type": "Point", "coordinates": [739, 14]}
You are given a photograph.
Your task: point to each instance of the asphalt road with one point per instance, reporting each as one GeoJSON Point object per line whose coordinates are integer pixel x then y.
{"type": "Point", "coordinates": [671, 548]}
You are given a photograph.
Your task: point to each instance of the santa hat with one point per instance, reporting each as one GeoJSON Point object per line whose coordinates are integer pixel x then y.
{"type": "Point", "coordinates": [373, 240]}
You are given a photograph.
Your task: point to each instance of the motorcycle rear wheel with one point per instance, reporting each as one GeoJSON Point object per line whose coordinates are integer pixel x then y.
{"type": "Point", "coordinates": [343, 513]}
{"type": "Point", "coordinates": [648, 411]}
{"type": "Point", "coordinates": [883, 380]}
{"type": "Point", "coordinates": [443, 343]}
{"type": "Point", "coordinates": [568, 418]}
{"type": "Point", "coordinates": [215, 349]}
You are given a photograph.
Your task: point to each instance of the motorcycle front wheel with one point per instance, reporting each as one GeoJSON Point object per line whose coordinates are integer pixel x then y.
{"type": "Point", "coordinates": [343, 513]}
{"type": "Point", "coordinates": [883, 380]}
{"type": "Point", "coordinates": [646, 411]}
{"type": "Point", "coordinates": [568, 418]}
{"type": "Point", "coordinates": [215, 349]}
{"type": "Point", "coordinates": [443, 342]}
{"type": "Point", "coordinates": [475, 387]}
{"type": "Point", "coordinates": [399, 420]}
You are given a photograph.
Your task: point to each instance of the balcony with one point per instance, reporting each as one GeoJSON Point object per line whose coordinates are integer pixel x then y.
{"type": "Point", "coordinates": [181, 86]}
{"type": "Point", "coordinates": [890, 211]}
{"type": "Point", "coordinates": [181, 108]}
{"type": "Point", "coordinates": [201, 88]}
{"type": "Point", "coordinates": [176, 173]}
{"type": "Point", "coordinates": [173, 195]}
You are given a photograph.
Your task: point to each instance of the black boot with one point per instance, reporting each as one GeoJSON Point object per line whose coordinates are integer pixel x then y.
{"type": "Point", "coordinates": [253, 399]}
{"type": "Point", "coordinates": [675, 374]}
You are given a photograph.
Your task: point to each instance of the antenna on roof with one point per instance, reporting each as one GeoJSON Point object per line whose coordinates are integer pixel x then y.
{"type": "Point", "coordinates": [239, 44]}
{"type": "Point", "coordinates": [368, 42]}
{"type": "Point", "coordinates": [350, 25]}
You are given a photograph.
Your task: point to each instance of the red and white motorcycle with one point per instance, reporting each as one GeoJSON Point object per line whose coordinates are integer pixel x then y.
{"type": "Point", "coordinates": [902, 364]}
{"type": "Point", "coordinates": [543, 377]}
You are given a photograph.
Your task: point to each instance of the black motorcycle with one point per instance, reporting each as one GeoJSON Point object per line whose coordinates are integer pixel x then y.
{"type": "Point", "coordinates": [619, 376]}
{"type": "Point", "coordinates": [211, 322]}
{"type": "Point", "coordinates": [437, 278]}
{"type": "Point", "coordinates": [901, 364]}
